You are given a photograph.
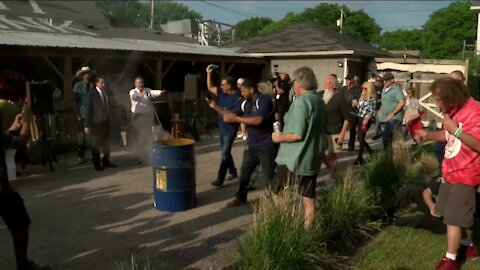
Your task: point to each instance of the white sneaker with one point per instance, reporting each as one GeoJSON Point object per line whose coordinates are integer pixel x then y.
{"type": "Point", "coordinates": [240, 135]}
{"type": "Point", "coordinates": [244, 137]}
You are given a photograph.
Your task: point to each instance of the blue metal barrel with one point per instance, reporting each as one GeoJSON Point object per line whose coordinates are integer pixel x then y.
{"type": "Point", "coordinates": [174, 182]}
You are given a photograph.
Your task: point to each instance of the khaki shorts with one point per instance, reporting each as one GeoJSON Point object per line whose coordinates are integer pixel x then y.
{"type": "Point", "coordinates": [333, 146]}
{"type": "Point", "coordinates": [456, 203]}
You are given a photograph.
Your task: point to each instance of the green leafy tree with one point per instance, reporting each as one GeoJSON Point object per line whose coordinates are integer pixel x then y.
{"type": "Point", "coordinates": [402, 40]}
{"type": "Point", "coordinates": [138, 13]}
{"type": "Point", "coordinates": [446, 29]}
{"type": "Point", "coordinates": [251, 27]}
{"type": "Point", "coordinates": [357, 24]}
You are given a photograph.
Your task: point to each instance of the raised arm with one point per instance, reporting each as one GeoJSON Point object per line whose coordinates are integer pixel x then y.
{"type": "Point", "coordinates": [211, 87]}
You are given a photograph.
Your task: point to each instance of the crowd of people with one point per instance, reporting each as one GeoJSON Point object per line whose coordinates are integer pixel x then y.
{"type": "Point", "coordinates": [290, 137]}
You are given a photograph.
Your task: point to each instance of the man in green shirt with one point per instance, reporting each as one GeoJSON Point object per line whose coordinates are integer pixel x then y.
{"type": "Point", "coordinates": [391, 112]}
{"type": "Point", "coordinates": [81, 90]}
{"type": "Point", "coordinates": [301, 142]}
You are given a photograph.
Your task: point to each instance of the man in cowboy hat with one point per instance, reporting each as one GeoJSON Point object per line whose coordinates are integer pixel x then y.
{"type": "Point", "coordinates": [81, 91]}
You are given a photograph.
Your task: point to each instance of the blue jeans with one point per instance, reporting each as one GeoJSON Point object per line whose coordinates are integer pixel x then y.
{"type": "Point", "coordinates": [389, 130]}
{"type": "Point", "coordinates": [251, 159]}
{"type": "Point", "coordinates": [377, 130]}
{"type": "Point", "coordinates": [227, 164]}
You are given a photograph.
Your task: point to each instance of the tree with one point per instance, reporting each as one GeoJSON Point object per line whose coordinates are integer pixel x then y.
{"type": "Point", "coordinates": [138, 13]}
{"type": "Point", "coordinates": [251, 27]}
{"type": "Point", "coordinates": [357, 24]}
{"type": "Point", "coordinates": [447, 28]}
{"type": "Point", "coordinates": [401, 40]}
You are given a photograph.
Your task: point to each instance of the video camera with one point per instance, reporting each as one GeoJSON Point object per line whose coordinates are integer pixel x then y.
{"type": "Point", "coordinates": [275, 75]}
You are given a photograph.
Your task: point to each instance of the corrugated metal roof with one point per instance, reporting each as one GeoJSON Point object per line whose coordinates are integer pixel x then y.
{"type": "Point", "coordinates": [21, 38]}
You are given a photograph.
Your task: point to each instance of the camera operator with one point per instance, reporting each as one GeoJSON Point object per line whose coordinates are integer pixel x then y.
{"type": "Point", "coordinates": [142, 117]}
{"type": "Point", "coordinates": [12, 208]}
{"type": "Point", "coordinates": [282, 102]}
{"type": "Point", "coordinates": [228, 99]}
{"type": "Point", "coordinates": [256, 111]}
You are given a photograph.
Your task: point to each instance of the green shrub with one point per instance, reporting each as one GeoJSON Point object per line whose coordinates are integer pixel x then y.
{"type": "Point", "coordinates": [384, 177]}
{"type": "Point", "coordinates": [279, 240]}
{"type": "Point", "coordinates": [345, 213]}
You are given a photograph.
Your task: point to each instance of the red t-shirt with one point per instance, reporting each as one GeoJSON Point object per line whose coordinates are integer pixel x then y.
{"type": "Point", "coordinates": [462, 164]}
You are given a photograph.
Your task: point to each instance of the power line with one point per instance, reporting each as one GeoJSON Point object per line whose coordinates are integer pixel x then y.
{"type": "Point", "coordinates": [244, 14]}
{"type": "Point", "coordinates": [401, 11]}
{"type": "Point", "coordinates": [398, 27]}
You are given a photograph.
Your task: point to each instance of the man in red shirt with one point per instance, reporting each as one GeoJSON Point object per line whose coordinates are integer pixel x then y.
{"type": "Point", "coordinates": [461, 164]}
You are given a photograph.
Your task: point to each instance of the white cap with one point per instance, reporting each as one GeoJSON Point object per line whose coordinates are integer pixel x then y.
{"type": "Point", "coordinates": [240, 80]}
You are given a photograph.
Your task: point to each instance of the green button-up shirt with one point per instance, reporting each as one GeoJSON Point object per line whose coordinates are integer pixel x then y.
{"type": "Point", "coordinates": [390, 98]}
{"type": "Point", "coordinates": [81, 90]}
{"type": "Point", "coordinates": [306, 118]}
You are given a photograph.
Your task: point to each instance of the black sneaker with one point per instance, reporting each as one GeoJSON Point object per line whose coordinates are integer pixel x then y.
{"type": "Point", "coordinates": [359, 161]}
{"type": "Point", "coordinates": [376, 137]}
{"type": "Point", "coordinates": [217, 183]}
{"type": "Point", "coordinates": [98, 167]}
{"type": "Point", "coordinates": [235, 202]}
{"type": "Point", "coordinates": [232, 177]}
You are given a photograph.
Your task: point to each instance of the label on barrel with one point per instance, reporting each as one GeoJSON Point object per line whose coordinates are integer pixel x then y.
{"type": "Point", "coordinates": [161, 179]}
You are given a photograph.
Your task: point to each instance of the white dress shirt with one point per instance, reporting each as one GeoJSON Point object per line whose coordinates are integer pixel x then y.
{"type": "Point", "coordinates": [141, 104]}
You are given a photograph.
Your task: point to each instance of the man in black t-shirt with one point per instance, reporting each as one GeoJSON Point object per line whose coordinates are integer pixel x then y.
{"type": "Point", "coordinates": [12, 209]}
{"type": "Point", "coordinates": [424, 198]}
{"type": "Point", "coordinates": [352, 94]}
{"type": "Point", "coordinates": [257, 113]}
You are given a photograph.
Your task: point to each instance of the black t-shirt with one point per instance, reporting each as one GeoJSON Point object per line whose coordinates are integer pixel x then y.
{"type": "Point", "coordinates": [378, 96]}
{"type": "Point", "coordinates": [337, 112]}
{"type": "Point", "coordinates": [282, 103]}
{"type": "Point", "coordinates": [259, 137]}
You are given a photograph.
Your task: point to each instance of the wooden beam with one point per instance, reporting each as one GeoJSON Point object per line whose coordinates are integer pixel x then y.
{"type": "Point", "coordinates": [170, 65]}
{"type": "Point", "coordinates": [222, 69]}
{"type": "Point", "coordinates": [150, 68]}
{"type": "Point", "coordinates": [230, 68]}
{"type": "Point", "coordinates": [158, 70]}
{"type": "Point", "coordinates": [53, 67]}
{"type": "Point", "coordinates": [67, 83]}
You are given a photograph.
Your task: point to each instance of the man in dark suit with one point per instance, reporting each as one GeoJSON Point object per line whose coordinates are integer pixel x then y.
{"type": "Point", "coordinates": [97, 125]}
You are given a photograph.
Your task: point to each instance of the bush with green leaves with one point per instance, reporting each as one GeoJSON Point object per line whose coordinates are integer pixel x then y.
{"type": "Point", "coordinates": [279, 240]}
{"type": "Point", "coordinates": [345, 213]}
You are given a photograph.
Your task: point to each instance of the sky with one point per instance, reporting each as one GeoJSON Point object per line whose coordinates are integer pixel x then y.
{"type": "Point", "coordinates": [390, 15]}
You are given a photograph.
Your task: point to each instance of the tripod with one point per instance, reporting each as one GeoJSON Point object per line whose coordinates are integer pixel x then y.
{"type": "Point", "coordinates": [48, 155]}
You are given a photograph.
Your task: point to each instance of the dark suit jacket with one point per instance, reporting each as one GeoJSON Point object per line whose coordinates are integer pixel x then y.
{"type": "Point", "coordinates": [97, 111]}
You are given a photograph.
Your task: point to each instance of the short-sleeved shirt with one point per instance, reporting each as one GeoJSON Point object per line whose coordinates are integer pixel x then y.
{"type": "Point", "coordinates": [228, 102]}
{"type": "Point", "coordinates": [461, 164]}
{"type": "Point", "coordinates": [260, 136]}
{"type": "Point", "coordinates": [390, 98]}
{"type": "Point", "coordinates": [337, 112]}
{"type": "Point", "coordinates": [81, 90]}
{"type": "Point", "coordinates": [306, 118]}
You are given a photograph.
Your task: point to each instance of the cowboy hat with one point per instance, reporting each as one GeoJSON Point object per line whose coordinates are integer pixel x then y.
{"type": "Point", "coordinates": [82, 71]}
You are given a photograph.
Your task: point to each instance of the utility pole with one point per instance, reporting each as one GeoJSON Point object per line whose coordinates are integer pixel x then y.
{"type": "Point", "coordinates": [340, 21]}
{"type": "Point", "coordinates": [152, 14]}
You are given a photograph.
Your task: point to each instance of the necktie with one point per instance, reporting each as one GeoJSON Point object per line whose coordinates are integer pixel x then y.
{"type": "Point", "coordinates": [104, 98]}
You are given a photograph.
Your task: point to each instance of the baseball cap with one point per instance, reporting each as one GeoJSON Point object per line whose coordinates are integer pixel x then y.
{"type": "Point", "coordinates": [388, 76]}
